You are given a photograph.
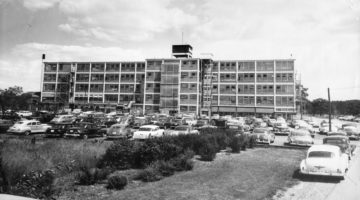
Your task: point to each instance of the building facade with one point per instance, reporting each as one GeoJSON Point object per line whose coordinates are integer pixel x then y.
{"type": "Point", "coordinates": [174, 85]}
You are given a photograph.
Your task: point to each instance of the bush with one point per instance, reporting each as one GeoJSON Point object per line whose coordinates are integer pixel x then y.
{"type": "Point", "coordinates": [208, 149]}
{"type": "Point", "coordinates": [235, 144]}
{"type": "Point", "coordinates": [90, 176]}
{"type": "Point", "coordinates": [166, 168]}
{"type": "Point", "coordinates": [252, 141]}
{"type": "Point", "coordinates": [119, 155]}
{"type": "Point", "coordinates": [117, 182]}
{"type": "Point", "coordinates": [183, 162]}
{"type": "Point", "coordinates": [36, 184]}
{"type": "Point", "coordinates": [149, 174]}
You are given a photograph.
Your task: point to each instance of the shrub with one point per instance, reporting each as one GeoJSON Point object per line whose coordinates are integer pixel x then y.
{"type": "Point", "coordinates": [36, 184]}
{"type": "Point", "coordinates": [90, 176]}
{"type": "Point", "coordinates": [119, 155]}
{"type": "Point", "coordinates": [252, 141]}
{"type": "Point", "coordinates": [184, 161]}
{"type": "Point", "coordinates": [146, 152]}
{"type": "Point", "coordinates": [164, 167]}
{"type": "Point", "coordinates": [149, 174]}
{"type": "Point", "coordinates": [117, 182]}
{"type": "Point", "coordinates": [235, 144]}
{"type": "Point", "coordinates": [208, 149]}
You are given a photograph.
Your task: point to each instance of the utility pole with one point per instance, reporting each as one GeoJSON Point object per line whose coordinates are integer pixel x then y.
{"type": "Point", "coordinates": [329, 109]}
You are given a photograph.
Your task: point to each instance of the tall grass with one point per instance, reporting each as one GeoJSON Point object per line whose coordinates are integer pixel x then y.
{"type": "Point", "coordinates": [21, 157]}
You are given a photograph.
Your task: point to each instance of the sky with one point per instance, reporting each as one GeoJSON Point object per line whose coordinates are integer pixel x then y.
{"type": "Point", "coordinates": [322, 35]}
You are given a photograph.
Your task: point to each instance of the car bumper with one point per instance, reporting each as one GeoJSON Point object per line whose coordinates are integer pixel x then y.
{"type": "Point", "coordinates": [323, 173]}
{"type": "Point", "coordinates": [72, 135]}
{"type": "Point", "coordinates": [301, 143]}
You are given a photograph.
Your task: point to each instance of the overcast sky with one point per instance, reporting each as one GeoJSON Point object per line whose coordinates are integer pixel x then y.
{"type": "Point", "coordinates": [322, 35]}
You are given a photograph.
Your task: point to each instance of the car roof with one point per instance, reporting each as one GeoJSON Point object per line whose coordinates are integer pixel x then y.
{"type": "Point", "coordinates": [324, 147]}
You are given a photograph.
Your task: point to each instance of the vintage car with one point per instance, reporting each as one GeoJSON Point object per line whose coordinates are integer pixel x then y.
{"type": "Point", "coordinates": [307, 127]}
{"type": "Point", "coordinates": [119, 131]}
{"type": "Point", "coordinates": [188, 121]}
{"type": "Point", "coordinates": [325, 160]}
{"type": "Point", "coordinates": [183, 129]}
{"type": "Point", "coordinates": [24, 113]}
{"type": "Point", "coordinates": [341, 141]}
{"type": "Point", "coordinates": [325, 128]}
{"type": "Point", "coordinates": [140, 121]}
{"type": "Point", "coordinates": [58, 130]}
{"type": "Point", "coordinates": [337, 133]}
{"type": "Point", "coordinates": [271, 122]}
{"type": "Point", "coordinates": [263, 135]}
{"type": "Point", "coordinates": [27, 127]}
{"type": "Point", "coordinates": [85, 130]}
{"type": "Point", "coordinates": [148, 131]}
{"type": "Point", "coordinates": [300, 137]}
{"type": "Point", "coordinates": [281, 128]}
{"type": "Point", "coordinates": [352, 132]}
{"type": "Point", "coordinates": [201, 122]}
{"type": "Point", "coordinates": [171, 123]}
{"type": "Point", "coordinates": [63, 119]}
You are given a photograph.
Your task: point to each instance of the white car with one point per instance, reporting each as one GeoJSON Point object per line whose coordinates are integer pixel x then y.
{"type": "Point", "coordinates": [24, 113]}
{"type": "Point", "coordinates": [325, 128]}
{"type": "Point", "coordinates": [148, 131]}
{"type": "Point", "coordinates": [28, 126]}
{"type": "Point", "coordinates": [63, 119]}
{"type": "Point", "coordinates": [325, 160]}
{"type": "Point", "coordinates": [183, 129]}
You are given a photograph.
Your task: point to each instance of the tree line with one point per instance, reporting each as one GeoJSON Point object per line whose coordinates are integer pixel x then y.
{"type": "Point", "coordinates": [321, 106]}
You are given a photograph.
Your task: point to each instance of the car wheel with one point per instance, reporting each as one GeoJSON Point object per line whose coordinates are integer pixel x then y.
{"type": "Point", "coordinates": [85, 137]}
{"type": "Point", "coordinates": [27, 133]}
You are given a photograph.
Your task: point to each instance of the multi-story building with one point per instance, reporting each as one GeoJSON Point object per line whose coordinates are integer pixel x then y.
{"type": "Point", "coordinates": [175, 85]}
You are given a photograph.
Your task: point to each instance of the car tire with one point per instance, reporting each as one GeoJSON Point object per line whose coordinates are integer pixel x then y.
{"type": "Point", "coordinates": [27, 133]}
{"type": "Point", "coordinates": [85, 137]}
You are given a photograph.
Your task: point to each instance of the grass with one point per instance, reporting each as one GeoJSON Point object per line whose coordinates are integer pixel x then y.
{"type": "Point", "coordinates": [64, 157]}
{"type": "Point", "coordinates": [254, 174]}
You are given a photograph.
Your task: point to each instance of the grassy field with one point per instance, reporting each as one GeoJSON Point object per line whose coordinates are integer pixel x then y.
{"type": "Point", "coordinates": [252, 174]}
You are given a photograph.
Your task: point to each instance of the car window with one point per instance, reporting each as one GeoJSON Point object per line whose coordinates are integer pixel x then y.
{"type": "Point", "coordinates": [321, 154]}
{"type": "Point", "coordinates": [144, 129]}
{"type": "Point", "coordinates": [33, 123]}
{"type": "Point", "coordinates": [37, 123]}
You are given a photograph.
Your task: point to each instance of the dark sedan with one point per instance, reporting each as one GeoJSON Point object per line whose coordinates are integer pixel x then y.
{"type": "Point", "coordinates": [85, 130]}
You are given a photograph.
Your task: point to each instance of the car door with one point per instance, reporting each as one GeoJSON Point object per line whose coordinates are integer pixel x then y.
{"type": "Point", "coordinates": [33, 127]}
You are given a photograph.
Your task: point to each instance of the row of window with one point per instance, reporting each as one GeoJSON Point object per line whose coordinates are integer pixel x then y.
{"type": "Point", "coordinates": [250, 100]}
{"type": "Point", "coordinates": [250, 89]}
{"type": "Point", "coordinates": [95, 67]}
{"type": "Point", "coordinates": [250, 66]}
{"type": "Point", "coordinates": [110, 98]}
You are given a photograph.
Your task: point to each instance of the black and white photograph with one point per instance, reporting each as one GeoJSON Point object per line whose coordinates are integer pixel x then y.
{"type": "Point", "coordinates": [180, 99]}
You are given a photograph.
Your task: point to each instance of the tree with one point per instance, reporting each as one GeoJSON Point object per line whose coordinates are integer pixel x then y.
{"type": "Point", "coordinates": [320, 106]}
{"type": "Point", "coordinates": [8, 98]}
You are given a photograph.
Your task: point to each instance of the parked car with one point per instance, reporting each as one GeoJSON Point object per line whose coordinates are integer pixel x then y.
{"type": "Point", "coordinates": [341, 141]}
{"type": "Point", "coordinates": [28, 127]}
{"type": "Point", "coordinates": [58, 130]}
{"type": "Point", "coordinates": [171, 123]}
{"type": "Point", "coordinates": [183, 129]}
{"type": "Point", "coordinates": [352, 132]}
{"type": "Point", "coordinates": [281, 128]}
{"type": "Point", "coordinates": [188, 121]}
{"type": "Point", "coordinates": [263, 135]}
{"type": "Point", "coordinates": [119, 131]}
{"type": "Point", "coordinates": [201, 122]}
{"type": "Point", "coordinates": [63, 119]}
{"type": "Point", "coordinates": [24, 113]}
{"type": "Point", "coordinates": [140, 121]}
{"type": "Point", "coordinates": [325, 160]}
{"type": "Point", "coordinates": [5, 124]}
{"type": "Point", "coordinates": [325, 128]}
{"type": "Point", "coordinates": [300, 137]}
{"type": "Point", "coordinates": [148, 131]}
{"type": "Point", "coordinates": [85, 130]}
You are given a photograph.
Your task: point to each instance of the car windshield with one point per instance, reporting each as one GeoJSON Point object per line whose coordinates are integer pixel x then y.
{"type": "Point", "coordinates": [144, 129]}
{"type": "Point", "coordinates": [181, 128]}
{"type": "Point", "coordinates": [321, 154]}
{"type": "Point", "coordinates": [335, 141]}
{"type": "Point", "coordinates": [202, 122]}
